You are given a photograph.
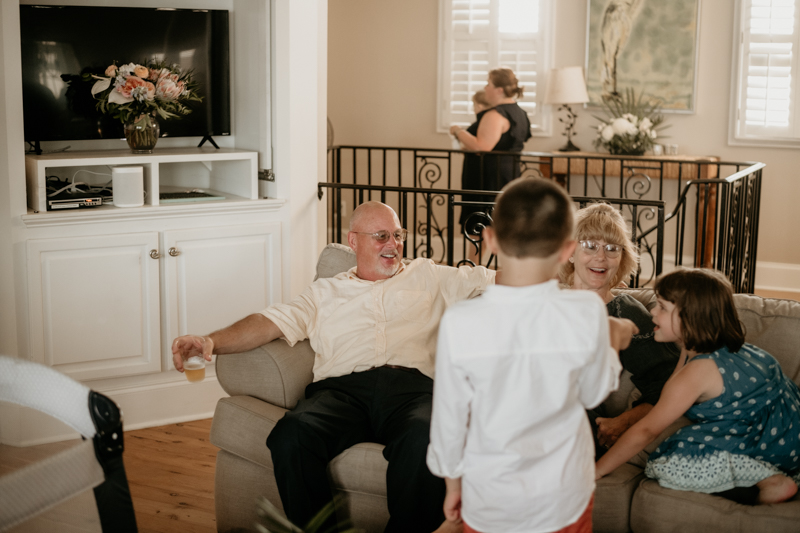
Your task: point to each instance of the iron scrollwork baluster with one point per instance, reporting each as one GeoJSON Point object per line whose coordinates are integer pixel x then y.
{"type": "Point", "coordinates": [432, 173]}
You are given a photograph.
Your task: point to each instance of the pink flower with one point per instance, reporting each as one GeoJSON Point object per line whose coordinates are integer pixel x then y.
{"type": "Point", "coordinates": [131, 82]}
{"type": "Point", "coordinates": [141, 71]}
{"type": "Point", "coordinates": [167, 89]}
{"type": "Point", "coordinates": [111, 70]}
{"type": "Point", "coordinates": [143, 92]}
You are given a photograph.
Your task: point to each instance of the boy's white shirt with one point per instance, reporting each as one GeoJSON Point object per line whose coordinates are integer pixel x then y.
{"type": "Point", "coordinates": [515, 371]}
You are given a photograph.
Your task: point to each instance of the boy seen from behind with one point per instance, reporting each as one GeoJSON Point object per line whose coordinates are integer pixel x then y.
{"type": "Point", "coordinates": [509, 431]}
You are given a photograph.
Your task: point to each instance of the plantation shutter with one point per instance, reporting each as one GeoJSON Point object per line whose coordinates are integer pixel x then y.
{"type": "Point", "coordinates": [479, 35]}
{"type": "Point", "coordinates": [769, 65]}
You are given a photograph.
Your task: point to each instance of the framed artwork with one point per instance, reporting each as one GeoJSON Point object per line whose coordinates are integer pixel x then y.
{"type": "Point", "coordinates": [647, 45]}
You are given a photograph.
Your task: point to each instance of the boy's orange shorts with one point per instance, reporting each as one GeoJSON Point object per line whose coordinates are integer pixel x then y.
{"type": "Point", "coordinates": [583, 525]}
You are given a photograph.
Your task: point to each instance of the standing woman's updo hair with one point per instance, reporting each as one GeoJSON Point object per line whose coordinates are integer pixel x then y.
{"type": "Point", "coordinates": [505, 78]}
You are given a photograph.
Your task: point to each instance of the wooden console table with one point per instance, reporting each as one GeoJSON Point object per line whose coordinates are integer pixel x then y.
{"type": "Point", "coordinates": [669, 167]}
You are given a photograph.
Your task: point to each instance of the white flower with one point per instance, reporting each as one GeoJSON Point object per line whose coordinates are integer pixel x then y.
{"type": "Point", "coordinates": [645, 124]}
{"type": "Point", "coordinates": [633, 119]}
{"type": "Point", "coordinates": [126, 70]}
{"type": "Point", "coordinates": [607, 133]}
{"type": "Point", "coordinates": [622, 126]}
{"type": "Point", "coordinates": [653, 134]}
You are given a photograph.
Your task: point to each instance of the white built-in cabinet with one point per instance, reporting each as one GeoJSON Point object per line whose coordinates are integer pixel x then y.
{"type": "Point", "coordinates": [97, 304]}
{"type": "Point", "coordinates": [109, 288]}
{"type": "Point", "coordinates": [94, 304]}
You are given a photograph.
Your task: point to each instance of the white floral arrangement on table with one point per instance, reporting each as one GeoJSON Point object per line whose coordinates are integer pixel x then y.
{"type": "Point", "coordinates": [128, 92]}
{"type": "Point", "coordinates": [632, 127]}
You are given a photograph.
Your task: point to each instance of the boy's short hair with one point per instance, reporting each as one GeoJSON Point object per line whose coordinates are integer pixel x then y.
{"type": "Point", "coordinates": [532, 218]}
{"type": "Point", "coordinates": [704, 299]}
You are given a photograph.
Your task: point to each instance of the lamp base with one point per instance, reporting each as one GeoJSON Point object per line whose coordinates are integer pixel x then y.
{"type": "Point", "coordinates": [569, 147]}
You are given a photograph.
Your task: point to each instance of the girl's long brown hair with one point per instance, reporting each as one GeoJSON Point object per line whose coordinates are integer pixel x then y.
{"type": "Point", "coordinates": [708, 315]}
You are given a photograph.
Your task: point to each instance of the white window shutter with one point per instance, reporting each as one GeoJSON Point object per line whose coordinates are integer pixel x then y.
{"type": "Point", "coordinates": [472, 44]}
{"type": "Point", "coordinates": [768, 69]}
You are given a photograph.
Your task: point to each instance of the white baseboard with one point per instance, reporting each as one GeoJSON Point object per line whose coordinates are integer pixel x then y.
{"type": "Point", "coordinates": [778, 276]}
{"type": "Point", "coordinates": [142, 407]}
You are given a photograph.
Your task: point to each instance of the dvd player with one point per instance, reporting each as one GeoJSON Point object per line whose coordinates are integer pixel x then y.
{"type": "Point", "coordinates": [68, 200]}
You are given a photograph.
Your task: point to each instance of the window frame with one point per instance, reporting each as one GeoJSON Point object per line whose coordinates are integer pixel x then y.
{"type": "Point", "coordinates": [739, 65]}
{"type": "Point", "coordinates": [542, 128]}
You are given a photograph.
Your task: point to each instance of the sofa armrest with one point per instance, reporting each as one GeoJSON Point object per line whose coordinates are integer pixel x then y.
{"type": "Point", "coordinates": [275, 373]}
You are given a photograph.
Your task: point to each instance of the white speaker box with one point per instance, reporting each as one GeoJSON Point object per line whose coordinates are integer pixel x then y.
{"type": "Point", "coordinates": [127, 182]}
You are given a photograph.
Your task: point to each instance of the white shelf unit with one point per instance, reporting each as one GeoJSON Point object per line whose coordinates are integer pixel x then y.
{"type": "Point", "coordinates": [227, 171]}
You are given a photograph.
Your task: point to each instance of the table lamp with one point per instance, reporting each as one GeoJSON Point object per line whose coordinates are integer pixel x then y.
{"type": "Point", "coordinates": [566, 86]}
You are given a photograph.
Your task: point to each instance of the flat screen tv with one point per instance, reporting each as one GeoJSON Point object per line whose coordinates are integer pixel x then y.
{"type": "Point", "coordinates": [60, 43]}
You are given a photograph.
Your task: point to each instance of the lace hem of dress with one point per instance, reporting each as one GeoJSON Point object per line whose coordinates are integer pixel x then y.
{"type": "Point", "coordinates": [715, 472]}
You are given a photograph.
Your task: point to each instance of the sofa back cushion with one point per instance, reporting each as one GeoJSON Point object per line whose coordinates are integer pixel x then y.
{"type": "Point", "coordinates": [773, 325]}
{"type": "Point", "coordinates": [333, 259]}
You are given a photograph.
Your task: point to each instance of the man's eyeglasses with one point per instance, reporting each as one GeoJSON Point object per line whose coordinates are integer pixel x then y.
{"type": "Point", "coordinates": [382, 236]}
{"type": "Point", "coordinates": [592, 247]}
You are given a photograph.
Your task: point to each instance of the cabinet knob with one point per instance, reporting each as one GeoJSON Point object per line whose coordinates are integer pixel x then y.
{"type": "Point", "coordinates": [174, 252]}
{"type": "Point", "coordinates": [154, 254]}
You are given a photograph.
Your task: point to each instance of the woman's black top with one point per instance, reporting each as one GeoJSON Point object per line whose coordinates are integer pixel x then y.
{"type": "Point", "coordinates": [496, 170]}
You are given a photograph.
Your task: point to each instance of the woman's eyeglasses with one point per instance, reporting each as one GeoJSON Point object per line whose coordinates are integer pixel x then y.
{"type": "Point", "coordinates": [592, 247]}
{"type": "Point", "coordinates": [383, 235]}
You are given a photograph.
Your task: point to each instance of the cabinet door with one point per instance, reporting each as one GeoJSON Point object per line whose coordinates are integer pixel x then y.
{"type": "Point", "coordinates": [94, 305]}
{"type": "Point", "coordinates": [216, 276]}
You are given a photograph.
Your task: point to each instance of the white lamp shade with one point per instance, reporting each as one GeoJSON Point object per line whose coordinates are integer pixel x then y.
{"type": "Point", "coordinates": [566, 86]}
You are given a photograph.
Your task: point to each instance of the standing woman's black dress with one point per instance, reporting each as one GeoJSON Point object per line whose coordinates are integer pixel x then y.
{"type": "Point", "coordinates": [496, 170]}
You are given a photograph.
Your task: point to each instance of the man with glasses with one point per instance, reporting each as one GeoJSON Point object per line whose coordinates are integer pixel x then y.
{"type": "Point", "coordinates": [373, 329]}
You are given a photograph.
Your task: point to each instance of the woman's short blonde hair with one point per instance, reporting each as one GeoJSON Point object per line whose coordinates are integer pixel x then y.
{"type": "Point", "coordinates": [604, 223]}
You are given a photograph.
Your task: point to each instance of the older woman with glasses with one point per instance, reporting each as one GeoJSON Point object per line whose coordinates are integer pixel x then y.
{"type": "Point", "coordinates": [604, 257]}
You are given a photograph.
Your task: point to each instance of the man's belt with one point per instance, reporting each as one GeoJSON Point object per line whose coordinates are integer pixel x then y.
{"type": "Point", "coordinates": [403, 368]}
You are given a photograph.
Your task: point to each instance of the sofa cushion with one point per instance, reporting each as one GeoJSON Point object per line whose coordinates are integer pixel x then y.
{"type": "Point", "coordinates": [360, 468]}
{"type": "Point", "coordinates": [241, 426]}
{"type": "Point", "coordinates": [657, 509]}
{"type": "Point", "coordinates": [612, 499]}
{"type": "Point", "coordinates": [773, 325]}
{"type": "Point", "coordinates": [333, 259]}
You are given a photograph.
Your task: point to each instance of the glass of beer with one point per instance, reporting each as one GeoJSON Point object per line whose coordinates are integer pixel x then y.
{"type": "Point", "coordinates": [195, 369]}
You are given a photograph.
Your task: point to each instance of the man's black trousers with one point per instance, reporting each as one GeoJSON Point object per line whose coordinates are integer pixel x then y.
{"type": "Point", "coordinates": [386, 405]}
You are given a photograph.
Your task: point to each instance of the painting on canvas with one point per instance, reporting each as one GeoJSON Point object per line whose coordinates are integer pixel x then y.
{"type": "Point", "coordinates": [647, 45]}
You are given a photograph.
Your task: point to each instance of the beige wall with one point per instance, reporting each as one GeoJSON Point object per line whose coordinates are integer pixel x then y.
{"type": "Point", "coordinates": [382, 59]}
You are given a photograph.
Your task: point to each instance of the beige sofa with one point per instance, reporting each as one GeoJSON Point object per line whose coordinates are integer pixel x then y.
{"type": "Point", "coordinates": [265, 382]}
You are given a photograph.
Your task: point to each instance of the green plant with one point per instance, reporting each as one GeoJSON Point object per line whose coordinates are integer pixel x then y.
{"type": "Point", "coordinates": [271, 520]}
{"type": "Point", "coordinates": [633, 125]}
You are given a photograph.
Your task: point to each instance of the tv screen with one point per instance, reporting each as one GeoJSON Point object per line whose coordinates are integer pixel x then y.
{"type": "Point", "coordinates": [60, 43]}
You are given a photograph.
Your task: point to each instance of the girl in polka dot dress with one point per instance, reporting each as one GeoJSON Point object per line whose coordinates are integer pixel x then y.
{"type": "Point", "coordinates": [745, 411]}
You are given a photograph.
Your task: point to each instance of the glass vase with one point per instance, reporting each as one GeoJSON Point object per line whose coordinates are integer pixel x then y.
{"type": "Point", "coordinates": [142, 134]}
{"type": "Point", "coordinates": [625, 150]}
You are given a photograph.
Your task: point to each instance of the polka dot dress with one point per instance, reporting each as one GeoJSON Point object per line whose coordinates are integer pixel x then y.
{"type": "Point", "coordinates": [748, 433]}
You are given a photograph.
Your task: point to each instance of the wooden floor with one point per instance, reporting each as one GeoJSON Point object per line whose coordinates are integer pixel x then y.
{"type": "Point", "coordinates": [170, 472]}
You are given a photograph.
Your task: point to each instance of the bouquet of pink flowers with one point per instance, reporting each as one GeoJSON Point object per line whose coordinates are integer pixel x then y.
{"type": "Point", "coordinates": [128, 92]}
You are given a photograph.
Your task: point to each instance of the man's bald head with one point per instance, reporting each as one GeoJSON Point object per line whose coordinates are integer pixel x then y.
{"type": "Point", "coordinates": [366, 210]}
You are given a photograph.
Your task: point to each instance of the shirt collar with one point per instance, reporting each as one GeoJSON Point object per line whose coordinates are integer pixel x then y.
{"type": "Point", "coordinates": [546, 287]}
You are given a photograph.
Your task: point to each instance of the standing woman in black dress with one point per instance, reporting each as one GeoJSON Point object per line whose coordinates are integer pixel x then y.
{"type": "Point", "coordinates": [503, 128]}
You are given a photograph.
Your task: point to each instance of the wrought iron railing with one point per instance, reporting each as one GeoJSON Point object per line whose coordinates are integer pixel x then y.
{"type": "Point", "coordinates": [711, 221]}
{"type": "Point", "coordinates": [410, 202]}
